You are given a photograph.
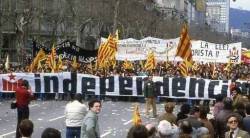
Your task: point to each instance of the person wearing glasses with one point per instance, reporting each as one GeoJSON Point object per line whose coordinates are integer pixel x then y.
{"type": "Point", "coordinates": [234, 130]}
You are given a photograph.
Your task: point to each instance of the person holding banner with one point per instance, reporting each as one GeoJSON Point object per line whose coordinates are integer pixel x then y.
{"type": "Point", "coordinates": [23, 97]}
{"type": "Point", "coordinates": [150, 95]}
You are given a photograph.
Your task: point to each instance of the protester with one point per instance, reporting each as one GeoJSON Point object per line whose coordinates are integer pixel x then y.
{"type": "Point", "coordinates": [90, 125]}
{"type": "Point", "coordinates": [237, 97]}
{"type": "Point", "coordinates": [234, 130]}
{"type": "Point", "coordinates": [26, 128]}
{"type": "Point", "coordinates": [138, 131]}
{"type": "Point", "coordinates": [75, 112]}
{"type": "Point", "coordinates": [218, 106]}
{"type": "Point", "coordinates": [184, 110]}
{"type": "Point", "coordinates": [150, 95]}
{"type": "Point", "coordinates": [220, 120]}
{"type": "Point", "coordinates": [167, 130]}
{"type": "Point", "coordinates": [246, 120]}
{"type": "Point", "coordinates": [185, 129]}
{"type": "Point", "coordinates": [168, 115]}
{"type": "Point", "coordinates": [23, 97]}
{"type": "Point", "coordinates": [203, 118]}
{"type": "Point", "coordinates": [193, 117]}
{"type": "Point", "coordinates": [51, 133]}
{"type": "Point", "coordinates": [151, 130]}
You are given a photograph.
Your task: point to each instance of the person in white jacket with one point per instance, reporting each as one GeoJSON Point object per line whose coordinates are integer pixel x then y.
{"type": "Point", "coordinates": [75, 112]}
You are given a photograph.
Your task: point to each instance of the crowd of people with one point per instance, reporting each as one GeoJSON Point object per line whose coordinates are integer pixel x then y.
{"type": "Point", "coordinates": [220, 71]}
{"type": "Point", "coordinates": [230, 116]}
{"type": "Point", "coordinates": [226, 121]}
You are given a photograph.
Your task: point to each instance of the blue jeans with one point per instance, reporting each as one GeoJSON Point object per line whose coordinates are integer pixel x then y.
{"type": "Point", "coordinates": [73, 132]}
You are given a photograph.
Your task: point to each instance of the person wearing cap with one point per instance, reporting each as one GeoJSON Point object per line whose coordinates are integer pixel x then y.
{"type": "Point", "coordinates": [150, 95]}
{"type": "Point", "coordinates": [23, 98]}
{"type": "Point", "coordinates": [234, 130]}
{"type": "Point", "coordinates": [75, 112]}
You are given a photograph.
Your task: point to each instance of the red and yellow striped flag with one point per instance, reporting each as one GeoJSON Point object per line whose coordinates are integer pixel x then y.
{"type": "Point", "coordinates": [184, 46]}
{"type": "Point", "coordinates": [51, 59]}
{"type": "Point", "coordinates": [183, 69]}
{"type": "Point", "coordinates": [75, 64]}
{"type": "Point", "coordinates": [127, 64]}
{"type": "Point", "coordinates": [107, 50]}
{"type": "Point", "coordinates": [150, 62]}
{"type": "Point", "coordinates": [40, 55]}
{"type": "Point", "coordinates": [59, 63]}
{"type": "Point", "coordinates": [136, 116]}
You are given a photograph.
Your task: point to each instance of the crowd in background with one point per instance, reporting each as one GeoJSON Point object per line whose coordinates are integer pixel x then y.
{"type": "Point", "coordinates": [229, 114]}
{"type": "Point", "coordinates": [216, 71]}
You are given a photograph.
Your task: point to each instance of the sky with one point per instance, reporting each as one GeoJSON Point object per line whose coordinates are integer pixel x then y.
{"type": "Point", "coordinates": [240, 4]}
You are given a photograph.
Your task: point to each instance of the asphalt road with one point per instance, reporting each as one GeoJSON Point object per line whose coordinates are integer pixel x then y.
{"type": "Point", "coordinates": [115, 118]}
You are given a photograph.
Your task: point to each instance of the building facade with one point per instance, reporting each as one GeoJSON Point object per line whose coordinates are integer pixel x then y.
{"type": "Point", "coordinates": [217, 15]}
{"type": "Point", "coordinates": [188, 10]}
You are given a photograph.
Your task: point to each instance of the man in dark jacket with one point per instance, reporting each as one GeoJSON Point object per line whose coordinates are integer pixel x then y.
{"type": "Point", "coordinates": [150, 95]}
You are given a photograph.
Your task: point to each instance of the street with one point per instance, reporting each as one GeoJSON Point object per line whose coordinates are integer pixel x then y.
{"type": "Point", "coordinates": [115, 118]}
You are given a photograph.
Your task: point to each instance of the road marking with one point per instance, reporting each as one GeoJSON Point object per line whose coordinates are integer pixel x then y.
{"type": "Point", "coordinates": [53, 119]}
{"type": "Point", "coordinates": [105, 134]}
{"type": "Point", "coordinates": [2, 136]}
{"type": "Point", "coordinates": [127, 122]}
{"type": "Point", "coordinates": [34, 105]}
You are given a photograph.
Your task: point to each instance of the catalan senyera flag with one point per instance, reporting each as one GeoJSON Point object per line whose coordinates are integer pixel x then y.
{"type": "Point", "coordinates": [75, 64]}
{"type": "Point", "coordinates": [127, 64]}
{"type": "Point", "coordinates": [213, 68]}
{"type": "Point", "coordinates": [228, 66]}
{"type": "Point", "coordinates": [150, 62]}
{"type": "Point", "coordinates": [51, 59]}
{"type": "Point", "coordinates": [136, 116]}
{"type": "Point", "coordinates": [40, 56]}
{"type": "Point", "coordinates": [112, 61]}
{"type": "Point", "coordinates": [183, 68]}
{"type": "Point", "coordinates": [184, 46]}
{"type": "Point", "coordinates": [107, 50]}
{"type": "Point", "coordinates": [60, 62]}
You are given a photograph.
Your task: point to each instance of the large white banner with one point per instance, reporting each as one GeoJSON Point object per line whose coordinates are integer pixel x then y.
{"type": "Point", "coordinates": [66, 82]}
{"type": "Point", "coordinates": [165, 49]}
{"type": "Point", "coordinates": [210, 52]}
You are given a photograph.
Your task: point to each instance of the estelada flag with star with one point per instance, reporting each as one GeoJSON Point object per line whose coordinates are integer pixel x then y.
{"type": "Point", "coordinates": [10, 82]}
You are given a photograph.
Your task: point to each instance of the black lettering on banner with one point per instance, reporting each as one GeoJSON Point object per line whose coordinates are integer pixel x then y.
{"type": "Point", "coordinates": [192, 86]}
{"type": "Point", "coordinates": [72, 82]}
{"type": "Point", "coordinates": [124, 83]}
{"type": "Point", "coordinates": [178, 84]}
{"type": "Point", "coordinates": [88, 83]}
{"type": "Point", "coordinates": [37, 83]}
{"type": "Point", "coordinates": [139, 88]}
{"type": "Point", "coordinates": [224, 88]}
{"type": "Point", "coordinates": [47, 86]}
{"type": "Point", "coordinates": [158, 86]}
{"type": "Point", "coordinates": [165, 85]}
{"type": "Point", "coordinates": [111, 85]}
{"type": "Point", "coordinates": [211, 86]}
{"type": "Point", "coordinates": [243, 87]}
